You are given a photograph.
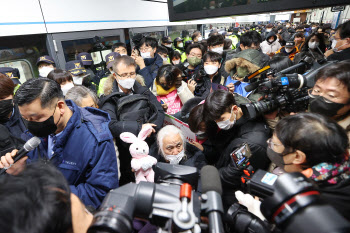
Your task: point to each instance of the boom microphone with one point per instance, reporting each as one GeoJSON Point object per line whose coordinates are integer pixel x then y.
{"type": "Point", "coordinates": [31, 144]}
{"type": "Point", "coordinates": [212, 190]}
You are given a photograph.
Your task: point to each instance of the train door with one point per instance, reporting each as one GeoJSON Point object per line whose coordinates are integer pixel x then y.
{"type": "Point", "coordinates": [156, 32]}
{"type": "Point", "coordinates": [66, 46]}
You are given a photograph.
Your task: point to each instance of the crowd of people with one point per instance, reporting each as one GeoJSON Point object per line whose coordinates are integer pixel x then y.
{"type": "Point", "coordinates": [80, 115]}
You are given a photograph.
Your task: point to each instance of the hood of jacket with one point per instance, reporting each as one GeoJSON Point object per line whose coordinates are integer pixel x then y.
{"type": "Point", "coordinates": [249, 58]}
{"type": "Point", "coordinates": [272, 33]}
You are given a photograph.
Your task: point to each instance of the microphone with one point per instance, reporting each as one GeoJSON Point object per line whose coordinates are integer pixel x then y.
{"type": "Point", "coordinates": [31, 144]}
{"type": "Point", "coordinates": [212, 190]}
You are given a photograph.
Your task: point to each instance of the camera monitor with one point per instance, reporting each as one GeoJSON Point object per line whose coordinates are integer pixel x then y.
{"type": "Point", "coordinates": [200, 9]}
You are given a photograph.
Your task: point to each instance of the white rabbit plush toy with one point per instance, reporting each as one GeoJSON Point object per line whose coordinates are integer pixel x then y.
{"type": "Point", "coordinates": [141, 162]}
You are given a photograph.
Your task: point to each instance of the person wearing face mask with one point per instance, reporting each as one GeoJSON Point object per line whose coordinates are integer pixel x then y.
{"type": "Point", "coordinates": [215, 44]}
{"type": "Point", "coordinates": [330, 95]}
{"type": "Point", "coordinates": [271, 45]}
{"type": "Point", "coordinates": [80, 76]}
{"type": "Point", "coordinates": [289, 50]}
{"type": "Point", "coordinates": [168, 44]}
{"type": "Point", "coordinates": [63, 78]}
{"type": "Point", "coordinates": [317, 147]}
{"type": "Point", "coordinates": [268, 29]}
{"type": "Point", "coordinates": [121, 88]}
{"type": "Point", "coordinates": [174, 149]}
{"type": "Point", "coordinates": [212, 80]}
{"type": "Point", "coordinates": [10, 117]}
{"type": "Point", "coordinates": [230, 130]}
{"type": "Point", "coordinates": [73, 139]}
{"type": "Point", "coordinates": [175, 58]}
{"type": "Point", "coordinates": [242, 64]}
{"type": "Point", "coordinates": [299, 40]}
{"type": "Point", "coordinates": [170, 90]}
{"type": "Point", "coordinates": [149, 61]}
{"type": "Point", "coordinates": [179, 46]}
{"type": "Point", "coordinates": [45, 65]}
{"type": "Point", "coordinates": [120, 48]}
{"type": "Point", "coordinates": [341, 44]}
{"type": "Point", "coordinates": [197, 37]}
{"type": "Point", "coordinates": [109, 58]}
{"type": "Point", "coordinates": [194, 53]}
{"type": "Point", "coordinates": [314, 47]}
{"type": "Point", "coordinates": [13, 74]}
{"type": "Point", "coordinates": [163, 52]}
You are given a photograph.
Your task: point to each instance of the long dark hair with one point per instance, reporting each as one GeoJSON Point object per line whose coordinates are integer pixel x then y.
{"type": "Point", "coordinates": [320, 37]}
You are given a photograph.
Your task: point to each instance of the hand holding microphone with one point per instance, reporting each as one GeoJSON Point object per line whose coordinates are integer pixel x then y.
{"type": "Point", "coordinates": [15, 161]}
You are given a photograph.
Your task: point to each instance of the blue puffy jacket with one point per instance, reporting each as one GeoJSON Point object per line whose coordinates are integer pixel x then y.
{"type": "Point", "coordinates": [84, 152]}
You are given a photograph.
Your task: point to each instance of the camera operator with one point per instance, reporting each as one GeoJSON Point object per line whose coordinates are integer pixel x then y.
{"type": "Point", "coordinates": [331, 94]}
{"type": "Point", "coordinates": [341, 44]}
{"type": "Point", "coordinates": [39, 200]}
{"type": "Point", "coordinates": [220, 107]}
{"type": "Point", "coordinates": [317, 147]}
{"type": "Point", "coordinates": [194, 53]}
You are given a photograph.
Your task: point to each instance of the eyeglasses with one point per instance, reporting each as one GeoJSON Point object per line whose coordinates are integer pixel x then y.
{"type": "Point", "coordinates": [144, 49]}
{"type": "Point", "coordinates": [126, 75]}
{"type": "Point", "coordinates": [327, 97]}
{"type": "Point", "coordinates": [271, 144]}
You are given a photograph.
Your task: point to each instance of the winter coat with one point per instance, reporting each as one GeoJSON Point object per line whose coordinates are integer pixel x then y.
{"type": "Point", "coordinates": [267, 47]}
{"type": "Point", "coordinates": [149, 73]}
{"type": "Point", "coordinates": [340, 56]}
{"type": "Point", "coordinates": [15, 124]}
{"type": "Point", "coordinates": [108, 103]}
{"type": "Point", "coordinates": [282, 52]}
{"type": "Point", "coordinates": [84, 153]}
{"type": "Point", "coordinates": [255, 133]}
{"type": "Point", "coordinates": [184, 93]}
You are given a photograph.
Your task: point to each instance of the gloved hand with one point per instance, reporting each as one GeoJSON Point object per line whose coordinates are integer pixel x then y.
{"type": "Point", "coordinates": [252, 204]}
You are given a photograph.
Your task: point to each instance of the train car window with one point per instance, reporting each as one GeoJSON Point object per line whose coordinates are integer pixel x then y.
{"type": "Point", "coordinates": [176, 31]}
{"type": "Point", "coordinates": [22, 52]}
{"type": "Point", "coordinates": [157, 34]}
{"type": "Point", "coordinates": [24, 67]}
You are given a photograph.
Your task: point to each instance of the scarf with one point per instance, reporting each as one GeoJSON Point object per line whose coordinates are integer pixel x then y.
{"type": "Point", "coordinates": [161, 91]}
{"type": "Point", "coordinates": [329, 173]}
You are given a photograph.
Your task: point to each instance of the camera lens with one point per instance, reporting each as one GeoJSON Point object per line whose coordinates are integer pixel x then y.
{"type": "Point", "coordinates": [111, 222]}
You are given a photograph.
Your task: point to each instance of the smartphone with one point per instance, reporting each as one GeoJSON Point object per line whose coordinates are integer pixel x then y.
{"type": "Point", "coordinates": [241, 155]}
{"type": "Point", "coordinates": [237, 83]}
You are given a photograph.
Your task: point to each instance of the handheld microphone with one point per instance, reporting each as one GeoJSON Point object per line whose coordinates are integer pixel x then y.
{"type": "Point", "coordinates": [31, 144]}
{"type": "Point", "coordinates": [212, 190]}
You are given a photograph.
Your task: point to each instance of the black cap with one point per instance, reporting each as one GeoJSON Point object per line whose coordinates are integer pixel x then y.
{"type": "Point", "coordinates": [178, 39]}
{"type": "Point", "coordinates": [75, 67]}
{"type": "Point", "coordinates": [290, 44]}
{"type": "Point", "coordinates": [12, 73]}
{"type": "Point", "coordinates": [46, 58]}
{"type": "Point", "coordinates": [110, 58]}
{"type": "Point", "coordinates": [85, 58]}
{"type": "Point", "coordinates": [166, 39]}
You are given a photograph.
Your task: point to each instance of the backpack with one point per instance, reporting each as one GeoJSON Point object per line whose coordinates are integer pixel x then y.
{"type": "Point", "coordinates": [136, 107]}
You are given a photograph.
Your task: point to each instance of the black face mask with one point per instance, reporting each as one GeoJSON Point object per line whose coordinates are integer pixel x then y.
{"type": "Point", "coordinates": [318, 105]}
{"type": "Point", "coordinates": [165, 87]}
{"type": "Point", "coordinates": [44, 128]}
{"type": "Point", "coordinates": [6, 107]}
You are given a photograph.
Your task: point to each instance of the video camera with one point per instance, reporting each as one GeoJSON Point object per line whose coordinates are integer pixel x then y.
{"type": "Point", "coordinates": [288, 92]}
{"type": "Point", "coordinates": [171, 205]}
{"type": "Point", "coordinates": [293, 203]}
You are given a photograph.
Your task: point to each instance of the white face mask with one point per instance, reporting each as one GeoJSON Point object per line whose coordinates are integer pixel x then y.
{"type": "Point", "coordinates": [66, 87]}
{"type": "Point", "coordinates": [176, 62]}
{"type": "Point", "coordinates": [334, 43]}
{"type": "Point", "coordinates": [313, 45]}
{"type": "Point", "coordinates": [200, 38]}
{"type": "Point", "coordinates": [168, 45]}
{"type": "Point", "coordinates": [313, 28]}
{"type": "Point", "coordinates": [77, 80]}
{"type": "Point", "coordinates": [44, 71]}
{"type": "Point", "coordinates": [227, 124]}
{"type": "Point", "coordinates": [271, 40]}
{"type": "Point", "coordinates": [210, 69]}
{"type": "Point", "coordinates": [181, 45]}
{"type": "Point", "coordinates": [123, 54]}
{"type": "Point", "coordinates": [218, 50]}
{"type": "Point", "coordinates": [126, 83]}
{"type": "Point", "coordinates": [337, 49]}
{"type": "Point", "coordinates": [146, 55]}
{"type": "Point", "coordinates": [200, 132]}
{"type": "Point", "coordinates": [268, 30]}
{"type": "Point", "coordinates": [288, 50]}
{"type": "Point", "coordinates": [165, 58]}
{"type": "Point", "coordinates": [175, 159]}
